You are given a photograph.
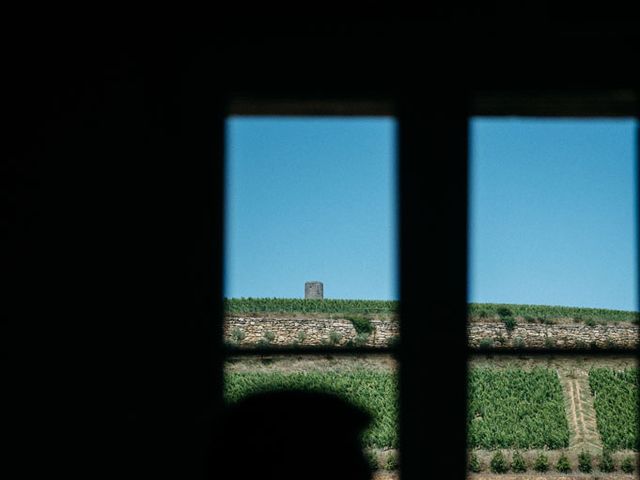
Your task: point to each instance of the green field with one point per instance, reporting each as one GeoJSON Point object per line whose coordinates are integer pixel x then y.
{"type": "Point", "coordinates": [507, 409]}
{"type": "Point", "coordinates": [299, 305]}
{"type": "Point", "coordinates": [516, 409]}
{"type": "Point", "coordinates": [375, 392]}
{"type": "Point", "coordinates": [616, 404]}
{"type": "Point", "coordinates": [544, 312]}
{"type": "Point", "coordinates": [476, 310]}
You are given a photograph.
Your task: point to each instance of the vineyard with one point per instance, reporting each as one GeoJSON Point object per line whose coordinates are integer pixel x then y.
{"type": "Point", "coordinates": [508, 408]}
{"type": "Point", "coordinates": [616, 403]}
{"type": "Point", "coordinates": [516, 409]}
{"type": "Point", "coordinates": [476, 310]}
{"type": "Point", "coordinates": [298, 305]}
{"type": "Point", "coordinates": [529, 414]}
{"type": "Point", "coordinates": [375, 392]}
{"type": "Point", "coordinates": [544, 312]}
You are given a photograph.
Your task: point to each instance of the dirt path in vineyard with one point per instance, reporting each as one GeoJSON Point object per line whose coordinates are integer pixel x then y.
{"type": "Point", "coordinates": [581, 414]}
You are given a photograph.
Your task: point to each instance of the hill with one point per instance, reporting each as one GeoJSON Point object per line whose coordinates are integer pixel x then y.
{"type": "Point", "coordinates": [477, 311]}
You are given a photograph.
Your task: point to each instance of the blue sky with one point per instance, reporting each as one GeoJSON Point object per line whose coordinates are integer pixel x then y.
{"type": "Point", "coordinates": [552, 209]}
{"type": "Point", "coordinates": [311, 199]}
{"type": "Point", "coordinates": [553, 212]}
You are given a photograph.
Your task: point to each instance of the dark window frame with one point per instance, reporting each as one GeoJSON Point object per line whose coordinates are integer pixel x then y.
{"type": "Point", "coordinates": [433, 197]}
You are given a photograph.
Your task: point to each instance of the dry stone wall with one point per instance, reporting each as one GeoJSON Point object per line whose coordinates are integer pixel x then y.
{"type": "Point", "coordinates": [614, 335]}
{"type": "Point", "coordinates": [304, 331]}
{"type": "Point", "coordinates": [252, 331]}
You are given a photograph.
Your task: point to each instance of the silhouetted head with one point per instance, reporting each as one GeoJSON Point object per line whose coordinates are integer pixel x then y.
{"type": "Point", "coordinates": [292, 434]}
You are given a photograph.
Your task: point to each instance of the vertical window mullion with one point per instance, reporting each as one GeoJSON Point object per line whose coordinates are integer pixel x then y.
{"type": "Point", "coordinates": [433, 252]}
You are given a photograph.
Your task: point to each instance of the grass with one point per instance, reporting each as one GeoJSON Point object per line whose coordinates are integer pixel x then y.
{"type": "Point", "coordinates": [516, 408]}
{"type": "Point", "coordinates": [510, 408]}
{"type": "Point", "coordinates": [545, 313]}
{"type": "Point", "coordinates": [298, 305]}
{"type": "Point", "coordinates": [375, 392]}
{"type": "Point", "coordinates": [528, 313]}
{"type": "Point", "coordinates": [361, 324]}
{"type": "Point", "coordinates": [616, 404]}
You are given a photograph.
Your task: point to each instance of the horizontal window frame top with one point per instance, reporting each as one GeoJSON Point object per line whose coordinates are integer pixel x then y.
{"type": "Point", "coordinates": [549, 103]}
{"type": "Point", "coordinates": [313, 107]}
{"type": "Point", "coordinates": [553, 103]}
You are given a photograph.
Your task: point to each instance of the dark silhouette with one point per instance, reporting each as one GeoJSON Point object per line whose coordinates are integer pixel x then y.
{"type": "Point", "coordinates": [291, 434]}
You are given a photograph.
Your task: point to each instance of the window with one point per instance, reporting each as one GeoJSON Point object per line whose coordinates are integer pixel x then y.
{"type": "Point", "coordinates": [441, 198]}
{"type": "Point", "coordinates": [433, 246]}
{"type": "Point", "coordinates": [314, 198]}
{"type": "Point", "coordinates": [553, 269]}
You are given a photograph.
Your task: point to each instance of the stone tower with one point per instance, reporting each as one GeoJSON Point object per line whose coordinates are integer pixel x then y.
{"type": "Point", "coordinates": [313, 290]}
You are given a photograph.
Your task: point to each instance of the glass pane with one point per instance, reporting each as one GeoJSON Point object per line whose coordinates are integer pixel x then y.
{"type": "Point", "coordinates": [550, 415]}
{"type": "Point", "coordinates": [310, 261]}
{"type": "Point", "coordinates": [310, 232]}
{"type": "Point", "coordinates": [553, 264]}
{"type": "Point", "coordinates": [553, 243]}
{"type": "Point", "coordinates": [368, 382]}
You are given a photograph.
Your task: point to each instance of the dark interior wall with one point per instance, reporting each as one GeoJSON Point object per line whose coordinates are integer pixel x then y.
{"type": "Point", "coordinates": [112, 257]}
{"type": "Point", "coordinates": [112, 190]}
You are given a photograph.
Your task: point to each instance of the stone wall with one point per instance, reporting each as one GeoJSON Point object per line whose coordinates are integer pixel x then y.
{"type": "Point", "coordinates": [614, 335]}
{"type": "Point", "coordinates": [305, 331]}
{"type": "Point", "coordinates": [252, 331]}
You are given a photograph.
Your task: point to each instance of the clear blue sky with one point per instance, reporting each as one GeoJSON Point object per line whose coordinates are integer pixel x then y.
{"type": "Point", "coordinates": [311, 199]}
{"type": "Point", "coordinates": [552, 210]}
{"type": "Point", "coordinates": [553, 217]}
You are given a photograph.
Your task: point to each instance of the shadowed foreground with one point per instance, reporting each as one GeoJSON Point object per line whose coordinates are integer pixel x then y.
{"type": "Point", "coordinates": [291, 434]}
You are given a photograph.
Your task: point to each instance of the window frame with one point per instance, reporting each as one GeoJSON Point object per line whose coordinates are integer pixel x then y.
{"type": "Point", "coordinates": [433, 197]}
